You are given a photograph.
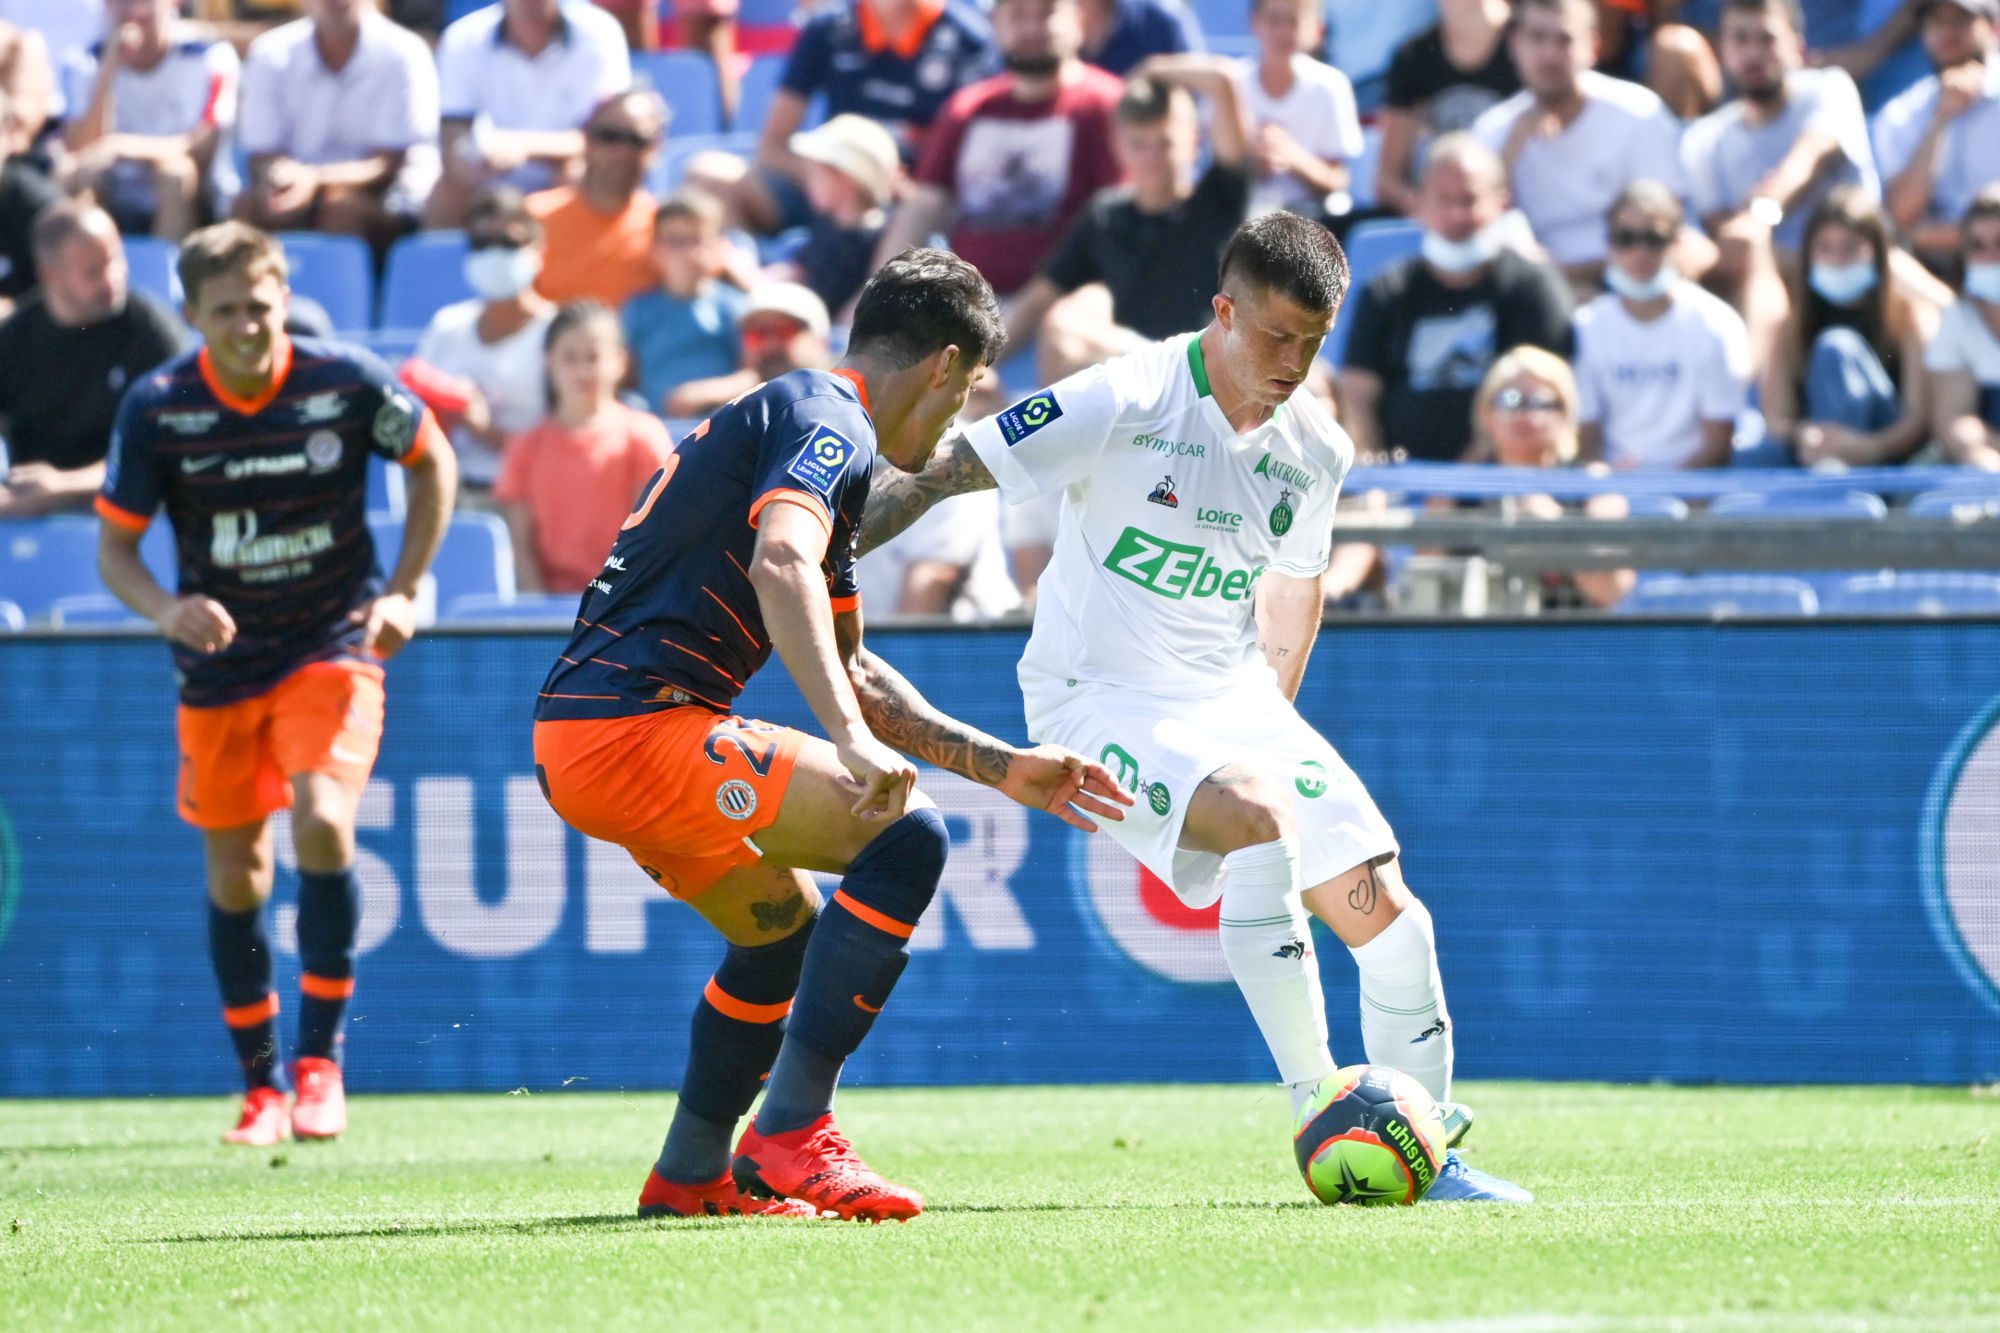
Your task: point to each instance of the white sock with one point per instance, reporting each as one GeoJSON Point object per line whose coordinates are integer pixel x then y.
{"type": "Point", "coordinates": [1268, 944]}
{"type": "Point", "coordinates": [1404, 1023]}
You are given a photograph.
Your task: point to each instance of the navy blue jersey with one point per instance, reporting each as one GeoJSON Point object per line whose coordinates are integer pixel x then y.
{"type": "Point", "coordinates": [673, 618]}
{"type": "Point", "coordinates": [902, 80]}
{"type": "Point", "coordinates": [268, 501]}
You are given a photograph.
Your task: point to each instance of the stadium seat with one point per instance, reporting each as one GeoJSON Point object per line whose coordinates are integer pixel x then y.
{"type": "Point", "coordinates": [769, 13]}
{"type": "Point", "coordinates": [1921, 593]}
{"type": "Point", "coordinates": [46, 559]}
{"type": "Point", "coordinates": [760, 85]}
{"type": "Point", "coordinates": [1964, 505]}
{"type": "Point", "coordinates": [336, 271]}
{"type": "Point", "coordinates": [555, 609]}
{"type": "Point", "coordinates": [394, 346]}
{"type": "Point", "coordinates": [425, 272]}
{"type": "Point", "coordinates": [454, 10]}
{"type": "Point", "coordinates": [12, 621]}
{"type": "Point", "coordinates": [1802, 504]}
{"type": "Point", "coordinates": [156, 549]}
{"type": "Point", "coordinates": [1722, 595]}
{"type": "Point", "coordinates": [477, 557]}
{"type": "Point", "coordinates": [388, 489]}
{"type": "Point", "coordinates": [151, 261]}
{"type": "Point", "coordinates": [1371, 247]}
{"type": "Point", "coordinates": [671, 165]}
{"type": "Point", "coordinates": [687, 80]}
{"type": "Point", "coordinates": [97, 610]}
{"type": "Point", "coordinates": [1656, 506]}
{"type": "Point", "coordinates": [1222, 18]}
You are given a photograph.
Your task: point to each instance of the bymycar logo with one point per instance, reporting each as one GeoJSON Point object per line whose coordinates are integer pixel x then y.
{"type": "Point", "coordinates": [1178, 448]}
{"type": "Point", "coordinates": [1175, 571]}
{"type": "Point", "coordinates": [1961, 854]}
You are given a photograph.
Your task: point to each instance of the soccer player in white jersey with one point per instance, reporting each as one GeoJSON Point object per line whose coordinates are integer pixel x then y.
{"type": "Point", "coordinates": [1172, 631]}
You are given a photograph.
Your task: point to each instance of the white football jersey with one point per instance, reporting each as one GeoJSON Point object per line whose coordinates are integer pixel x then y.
{"type": "Point", "coordinates": [1169, 519]}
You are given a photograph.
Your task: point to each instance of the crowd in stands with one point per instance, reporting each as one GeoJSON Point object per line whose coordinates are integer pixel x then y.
{"type": "Point", "coordinates": [1598, 233]}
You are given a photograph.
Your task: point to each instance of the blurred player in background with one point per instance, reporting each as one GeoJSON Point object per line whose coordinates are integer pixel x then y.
{"type": "Point", "coordinates": [744, 543]}
{"type": "Point", "coordinates": [258, 446]}
{"type": "Point", "coordinates": [1171, 636]}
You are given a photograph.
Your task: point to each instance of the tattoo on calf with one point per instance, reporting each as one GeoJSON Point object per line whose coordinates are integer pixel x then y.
{"type": "Point", "coordinates": [1364, 895]}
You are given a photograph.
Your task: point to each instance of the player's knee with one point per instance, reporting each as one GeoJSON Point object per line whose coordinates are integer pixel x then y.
{"type": "Point", "coordinates": [239, 876]}
{"type": "Point", "coordinates": [322, 832]}
{"type": "Point", "coordinates": [1248, 812]}
{"type": "Point", "coordinates": [901, 867]}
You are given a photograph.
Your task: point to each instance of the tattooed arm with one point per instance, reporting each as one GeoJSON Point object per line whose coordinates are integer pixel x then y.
{"type": "Point", "coordinates": [897, 499]}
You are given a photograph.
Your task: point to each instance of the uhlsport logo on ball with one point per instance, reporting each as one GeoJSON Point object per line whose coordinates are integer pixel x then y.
{"type": "Point", "coordinates": [1961, 854]}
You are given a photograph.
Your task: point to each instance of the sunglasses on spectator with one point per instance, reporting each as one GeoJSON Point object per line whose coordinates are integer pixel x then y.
{"type": "Point", "coordinates": [614, 138]}
{"type": "Point", "coordinates": [1623, 239]}
{"type": "Point", "coordinates": [1511, 399]}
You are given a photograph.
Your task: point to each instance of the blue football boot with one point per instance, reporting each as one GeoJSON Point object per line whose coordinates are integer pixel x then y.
{"type": "Point", "coordinates": [1459, 1183]}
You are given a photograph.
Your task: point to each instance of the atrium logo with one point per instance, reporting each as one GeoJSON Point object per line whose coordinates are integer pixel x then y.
{"type": "Point", "coordinates": [1961, 854]}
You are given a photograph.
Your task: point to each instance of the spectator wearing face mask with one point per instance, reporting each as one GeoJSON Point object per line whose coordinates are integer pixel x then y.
{"type": "Point", "coordinates": [1847, 379]}
{"type": "Point", "coordinates": [1426, 329]}
{"type": "Point", "coordinates": [490, 348]}
{"type": "Point", "coordinates": [1662, 366]}
{"type": "Point", "coordinates": [784, 328]}
{"type": "Point", "coordinates": [1964, 359]}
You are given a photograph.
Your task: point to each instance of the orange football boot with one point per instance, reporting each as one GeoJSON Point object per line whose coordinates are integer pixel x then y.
{"type": "Point", "coordinates": [717, 1198]}
{"type": "Point", "coordinates": [320, 1112]}
{"type": "Point", "coordinates": [819, 1166]}
{"type": "Point", "coordinates": [264, 1121]}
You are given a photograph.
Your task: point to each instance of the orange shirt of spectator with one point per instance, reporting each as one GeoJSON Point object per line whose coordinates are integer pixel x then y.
{"type": "Point", "coordinates": [593, 256]}
{"type": "Point", "coordinates": [578, 484]}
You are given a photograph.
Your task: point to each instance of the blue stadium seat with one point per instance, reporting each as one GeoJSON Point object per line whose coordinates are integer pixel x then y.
{"type": "Point", "coordinates": [1656, 506]}
{"type": "Point", "coordinates": [425, 272]}
{"type": "Point", "coordinates": [555, 609]}
{"type": "Point", "coordinates": [12, 621]}
{"type": "Point", "coordinates": [477, 557]}
{"type": "Point", "coordinates": [454, 10]}
{"type": "Point", "coordinates": [769, 13]}
{"type": "Point", "coordinates": [388, 489]}
{"type": "Point", "coordinates": [1222, 18]}
{"type": "Point", "coordinates": [760, 85]}
{"type": "Point", "coordinates": [46, 559]}
{"type": "Point", "coordinates": [336, 271]}
{"type": "Point", "coordinates": [1960, 504]}
{"type": "Point", "coordinates": [152, 262]}
{"type": "Point", "coordinates": [394, 346]}
{"type": "Point", "coordinates": [1802, 504]}
{"type": "Point", "coordinates": [97, 610]}
{"type": "Point", "coordinates": [156, 549]}
{"type": "Point", "coordinates": [668, 168]}
{"type": "Point", "coordinates": [1371, 247]}
{"type": "Point", "coordinates": [1921, 593]}
{"type": "Point", "coordinates": [687, 80]}
{"type": "Point", "coordinates": [1722, 595]}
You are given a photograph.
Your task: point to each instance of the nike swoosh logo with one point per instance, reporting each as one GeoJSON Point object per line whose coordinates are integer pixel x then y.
{"type": "Point", "coordinates": [866, 1007]}
{"type": "Point", "coordinates": [200, 464]}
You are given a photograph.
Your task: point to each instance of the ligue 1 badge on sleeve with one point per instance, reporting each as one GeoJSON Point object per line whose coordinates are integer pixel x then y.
{"type": "Point", "coordinates": [1281, 514]}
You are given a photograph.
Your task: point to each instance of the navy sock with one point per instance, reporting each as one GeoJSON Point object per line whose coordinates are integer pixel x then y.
{"type": "Point", "coordinates": [329, 915]}
{"type": "Point", "coordinates": [241, 951]}
{"type": "Point", "coordinates": [859, 948]}
{"type": "Point", "coordinates": [738, 1025]}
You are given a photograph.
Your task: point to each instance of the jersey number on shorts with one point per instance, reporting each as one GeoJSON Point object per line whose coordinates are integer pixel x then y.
{"type": "Point", "coordinates": [755, 753]}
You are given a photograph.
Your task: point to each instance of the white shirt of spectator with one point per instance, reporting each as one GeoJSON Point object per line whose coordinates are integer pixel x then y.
{"type": "Point", "coordinates": [383, 100]}
{"type": "Point", "coordinates": [1142, 593]}
{"type": "Point", "coordinates": [67, 26]}
{"type": "Point", "coordinates": [1968, 156]}
{"type": "Point", "coordinates": [961, 530]}
{"type": "Point", "coordinates": [1566, 184]}
{"type": "Point", "coordinates": [511, 373]}
{"type": "Point", "coordinates": [1965, 342]}
{"type": "Point", "coordinates": [1651, 385]}
{"type": "Point", "coordinates": [195, 84]}
{"type": "Point", "coordinates": [1726, 156]}
{"type": "Point", "coordinates": [1318, 111]}
{"type": "Point", "coordinates": [489, 81]}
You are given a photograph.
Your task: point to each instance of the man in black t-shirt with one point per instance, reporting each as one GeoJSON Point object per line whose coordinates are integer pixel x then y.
{"type": "Point", "coordinates": [1153, 243]}
{"type": "Point", "coordinates": [66, 356]}
{"type": "Point", "coordinates": [1426, 330]}
{"type": "Point", "coordinates": [24, 192]}
{"type": "Point", "coordinates": [1439, 81]}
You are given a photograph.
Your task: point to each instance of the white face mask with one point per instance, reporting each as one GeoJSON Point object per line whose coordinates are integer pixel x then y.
{"type": "Point", "coordinates": [1843, 284]}
{"type": "Point", "coordinates": [1448, 256]}
{"type": "Point", "coordinates": [499, 274]}
{"type": "Point", "coordinates": [1629, 287]}
{"type": "Point", "coordinates": [1982, 282]}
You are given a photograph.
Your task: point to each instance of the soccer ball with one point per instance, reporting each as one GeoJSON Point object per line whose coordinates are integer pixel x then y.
{"type": "Point", "coordinates": [1369, 1135]}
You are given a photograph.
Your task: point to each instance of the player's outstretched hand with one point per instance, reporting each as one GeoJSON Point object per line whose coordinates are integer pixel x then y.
{"type": "Point", "coordinates": [388, 622]}
{"type": "Point", "coordinates": [200, 623]}
{"type": "Point", "coordinates": [883, 779]}
{"type": "Point", "coordinates": [1065, 784]}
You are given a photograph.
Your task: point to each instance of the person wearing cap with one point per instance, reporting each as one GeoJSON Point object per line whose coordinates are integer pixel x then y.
{"type": "Point", "coordinates": [784, 328]}
{"type": "Point", "coordinates": [685, 328]}
{"type": "Point", "coordinates": [1938, 142]}
{"type": "Point", "coordinates": [851, 173]}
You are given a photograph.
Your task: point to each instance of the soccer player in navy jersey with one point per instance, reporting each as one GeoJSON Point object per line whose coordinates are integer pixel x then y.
{"type": "Point", "coordinates": [744, 544]}
{"type": "Point", "coordinates": [257, 446]}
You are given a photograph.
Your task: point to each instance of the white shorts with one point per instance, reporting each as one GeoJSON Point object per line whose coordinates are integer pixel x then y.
{"type": "Point", "coordinates": [1162, 749]}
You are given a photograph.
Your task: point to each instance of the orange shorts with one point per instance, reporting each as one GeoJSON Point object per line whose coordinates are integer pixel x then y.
{"type": "Point", "coordinates": [237, 760]}
{"type": "Point", "coordinates": [682, 790]}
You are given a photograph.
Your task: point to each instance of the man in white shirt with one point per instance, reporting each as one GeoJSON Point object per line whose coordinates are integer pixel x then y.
{"type": "Point", "coordinates": [1171, 636]}
{"type": "Point", "coordinates": [1662, 366]}
{"type": "Point", "coordinates": [339, 118]}
{"type": "Point", "coordinates": [148, 107]}
{"type": "Point", "coordinates": [1573, 138]}
{"type": "Point", "coordinates": [516, 82]}
{"type": "Point", "coordinates": [1938, 141]}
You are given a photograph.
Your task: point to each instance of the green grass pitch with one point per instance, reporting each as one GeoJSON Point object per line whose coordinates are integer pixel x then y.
{"type": "Point", "coordinates": [1101, 1207]}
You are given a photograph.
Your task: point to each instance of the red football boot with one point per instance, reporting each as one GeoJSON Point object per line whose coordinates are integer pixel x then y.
{"type": "Point", "coordinates": [321, 1109]}
{"type": "Point", "coordinates": [818, 1165]}
{"type": "Point", "coordinates": [264, 1121]}
{"type": "Point", "coordinates": [718, 1198]}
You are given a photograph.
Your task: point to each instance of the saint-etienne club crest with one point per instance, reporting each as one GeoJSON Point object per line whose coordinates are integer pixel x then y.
{"type": "Point", "coordinates": [1281, 514]}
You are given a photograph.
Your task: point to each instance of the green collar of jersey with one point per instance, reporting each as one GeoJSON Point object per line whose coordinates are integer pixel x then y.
{"type": "Point", "coordinates": [1198, 367]}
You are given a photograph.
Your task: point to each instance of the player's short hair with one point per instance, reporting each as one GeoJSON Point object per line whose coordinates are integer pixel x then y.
{"type": "Point", "coordinates": [1562, 8]}
{"type": "Point", "coordinates": [503, 208]}
{"type": "Point", "coordinates": [62, 222]}
{"type": "Point", "coordinates": [1794, 13]}
{"type": "Point", "coordinates": [923, 301]}
{"type": "Point", "coordinates": [1651, 196]}
{"type": "Point", "coordinates": [228, 247]}
{"type": "Point", "coordinates": [692, 205]}
{"type": "Point", "coordinates": [1148, 101]}
{"type": "Point", "coordinates": [1288, 254]}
